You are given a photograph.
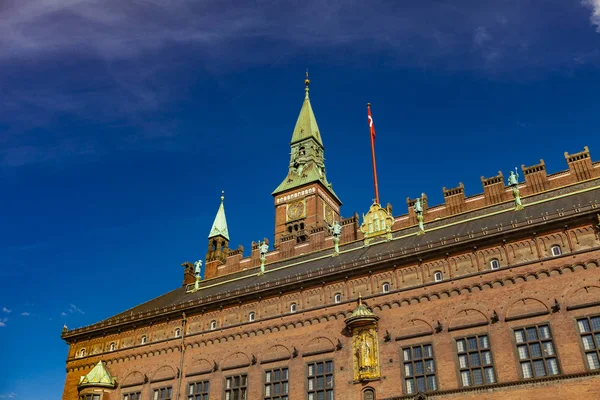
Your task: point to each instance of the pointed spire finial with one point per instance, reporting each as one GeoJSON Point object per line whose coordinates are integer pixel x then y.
{"type": "Point", "coordinates": [306, 82]}
{"type": "Point", "coordinates": [359, 299]}
{"type": "Point", "coordinates": [222, 196]}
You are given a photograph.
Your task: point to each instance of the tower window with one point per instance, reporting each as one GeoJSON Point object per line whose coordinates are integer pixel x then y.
{"type": "Point", "coordinates": [494, 263]}
{"type": "Point", "coordinates": [385, 288]}
{"type": "Point", "coordinates": [251, 316]}
{"type": "Point", "coordinates": [177, 332]}
{"type": "Point", "coordinates": [302, 151]}
{"type": "Point", "coordinates": [144, 339]}
{"type": "Point", "coordinates": [82, 353]}
{"type": "Point", "coordinates": [337, 298]}
{"type": "Point", "coordinates": [293, 307]}
{"type": "Point", "coordinates": [437, 276]}
{"type": "Point", "coordinates": [556, 251]}
{"type": "Point", "coordinates": [213, 325]}
{"type": "Point", "coordinates": [113, 346]}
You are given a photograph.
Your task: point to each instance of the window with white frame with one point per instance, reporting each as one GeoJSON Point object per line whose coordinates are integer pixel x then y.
{"type": "Point", "coordinates": [437, 276]}
{"type": "Point", "coordinates": [535, 350]}
{"type": "Point", "coordinates": [589, 329]}
{"type": "Point", "coordinates": [132, 396]}
{"type": "Point", "coordinates": [177, 332]}
{"type": "Point", "coordinates": [277, 386]}
{"type": "Point", "coordinates": [198, 390]}
{"type": "Point", "coordinates": [236, 387]}
{"type": "Point", "coordinates": [475, 362]}
{"type": "Point", "coordinates": [113, 346]}
{"type": "Point", "coordinates": [556, 251]}
{"type": "Point", "coordinates": [494, 263]}
{"type": "Point", "coordinates": [419, 369]}
{"type": "Point", "coordinates": [163, 393]}
{"type": "Point", "coordinates": [385, 288]}
{"type": "Point", "coordinates": [337, 298]}
{"type": "Point", "coordinates": [293, 307]}
{"type": "Point", "coordinates": [144, 339]}
{"type": "Point", "coordinates": [251, 316]}
{"type": "Point", "coordinates": [320, 380]}
{"type": "Point", "coordinates": [213, 325]}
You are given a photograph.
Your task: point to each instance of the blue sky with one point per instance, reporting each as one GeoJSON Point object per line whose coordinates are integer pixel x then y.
{"type": "Point", "coordinates": [121, 122]}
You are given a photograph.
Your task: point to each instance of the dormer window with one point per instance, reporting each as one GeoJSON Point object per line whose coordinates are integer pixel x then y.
{"type": "Point", "coordinates": [113, 346]}
{"type": "Point", "coordinates": [337, 298]}
{"type": "Point", "coordinates": [251, 316]}
{"type": "Point", "coordinates": [385, 288]}
{"type": "Point", "coordinates": [494, 263]}
{"type": "Point", "coordinates": [556, 251]}
{"type": "Point", "coordinates": [213, 325]}
{"type": "Point", "coordinates": [437, 276]}
{"type": "Point", "coordinates": [144, 339]}
{"type": "Point", "coordinates": [177, 332]}
{"type": "Point", "coordinates": [293, 307]}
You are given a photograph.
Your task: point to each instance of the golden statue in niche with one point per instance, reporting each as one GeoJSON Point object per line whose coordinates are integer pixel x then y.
{"type": "Point", "coordinates": [365, 346]}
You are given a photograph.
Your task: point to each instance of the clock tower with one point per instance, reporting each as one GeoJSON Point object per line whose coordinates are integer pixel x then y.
{"type": "Point", "coordinates": [305, 199]}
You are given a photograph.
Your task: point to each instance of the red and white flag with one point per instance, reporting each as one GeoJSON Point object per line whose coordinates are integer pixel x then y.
{"type": "Point", "coordinates": [371, 125]}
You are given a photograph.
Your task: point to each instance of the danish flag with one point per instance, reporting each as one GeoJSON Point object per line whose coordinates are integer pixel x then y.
{"type": "Point", "coordinates": [371, 125]}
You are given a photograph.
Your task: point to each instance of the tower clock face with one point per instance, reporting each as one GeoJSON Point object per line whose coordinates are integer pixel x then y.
{"type": "Point", "coordinates": [295, 210]}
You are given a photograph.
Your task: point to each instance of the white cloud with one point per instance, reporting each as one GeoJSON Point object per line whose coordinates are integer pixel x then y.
{"type": "Point", "coordinates": [595, 17]}
{"type": "Point", "coordinates": [63, 314]}
{"type": "Point", "coordinates": [8, 396]}
{"type": "Point", "coordinates": [25, 314]}
{"type": "Point", "coordinates": [6, 310]}
{"type": "Point", "coordinates": [73, 307]}
{"type": "Point", "coordinates": [3, 322]}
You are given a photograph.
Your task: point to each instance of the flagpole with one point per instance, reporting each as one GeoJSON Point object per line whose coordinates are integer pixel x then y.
{"type": "Point", "coordinates": [372, 131]}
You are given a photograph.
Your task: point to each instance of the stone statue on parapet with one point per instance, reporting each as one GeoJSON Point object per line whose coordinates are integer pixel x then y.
{"type": "Point", "coordinates": [198, 269]}
{"type": "Point", "coordinates": [513, 182]}
{"type": "Point", "coordinates": [418, 208]}
{"type": "Point", "coordinates": [263, 248]}
{"type": "Point", "coordinates": [336, 232]}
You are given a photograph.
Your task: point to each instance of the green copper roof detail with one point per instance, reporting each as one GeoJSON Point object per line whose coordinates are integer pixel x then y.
{"type": "Point", "coordinates": [98, 376]}
{"type": "Point", "coordinates": [306, 125]}
{"type": "Point", "coordinates": [219, 227]}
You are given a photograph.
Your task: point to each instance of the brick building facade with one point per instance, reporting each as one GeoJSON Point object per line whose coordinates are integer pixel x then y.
{"type": "Point", "coordinates": [489, 302]}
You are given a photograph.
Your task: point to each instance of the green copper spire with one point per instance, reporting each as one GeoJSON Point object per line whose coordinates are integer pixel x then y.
{"type": "Point", "coordinates": [219, 227]}
{"type": "Point", "coordinates": [307, 160]}
{"type": "Point", "coordinates": [98, 376]}
{"type": "Point", "coordinates": [306, 125]}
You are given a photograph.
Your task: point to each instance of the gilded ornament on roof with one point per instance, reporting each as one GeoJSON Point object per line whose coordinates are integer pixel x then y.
{"type": "Point", "coordinates": [377, 222]}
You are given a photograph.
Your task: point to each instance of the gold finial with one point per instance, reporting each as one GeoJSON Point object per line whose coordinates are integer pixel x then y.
{"type": "Point", "coordinates": [306, 82]}
{"type": "Point", "coordinates": [222, 195]}
{"type": "Point", "coordinates": [360, 299]}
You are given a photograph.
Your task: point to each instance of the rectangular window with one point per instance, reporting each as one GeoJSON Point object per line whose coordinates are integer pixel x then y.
{"type": "Point", "coordinates": [132, 396]}
{"type": "Point", "coordinates": [319, 377]}
{"type": "Point", "coordinates": [198, 390]}
{"type": "Point", "coordinates": [475, 360]}
{"type": "Point", "coordinates": [163, 393]}
{"type": "Point", "coordinates": [236, 387]}
{"type": "Point", "coordinates": [276, 384]}
{"type": "Point", "coordinates": [89, 397]}
{"type": "Point", "coordinates": [419, 369]}
{"type": "Point", "coordinates": [535, 350]}
{"type": "Point", "coordinates": [589, 329]}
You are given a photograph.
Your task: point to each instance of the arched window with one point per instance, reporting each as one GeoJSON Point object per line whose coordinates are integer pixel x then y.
{"type": "Point", "coordinates": [293, 307]}
{"type": "Point", "coordinates": [556, 251]}
{"type": "Point", "coordinates": [437, 276]}
{"type": "Point", "coordinates": [177, 332]}
{"type": "Point", "coordinates": [337, 298]}
{"type": "Point", "coordinates": [113, 346]}
{"type": "Point", "coordinates": [213, 325]}
{"type": "Point", "coordinates": [368, 394]}
{"type": "Point", "coordinates": [82, 353]}
{"type": "Point", "coordinates": [494, 263]}
{"type": "Point", "coordinates": [144, 339]}
{"type": "Point", "coordinates": [385, 287]}
{"type": "Point", "coordinates": [251, 316]}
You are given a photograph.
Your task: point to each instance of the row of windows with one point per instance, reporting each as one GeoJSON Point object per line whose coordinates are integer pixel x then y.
{"type": "Point", "coordinates": [337, 298]}
{"type": "Point", "coordinates": [534, 347]}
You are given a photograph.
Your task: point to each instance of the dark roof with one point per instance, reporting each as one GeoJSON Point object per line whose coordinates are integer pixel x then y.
{"type": "Point", "coordinates": [479, 224]}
